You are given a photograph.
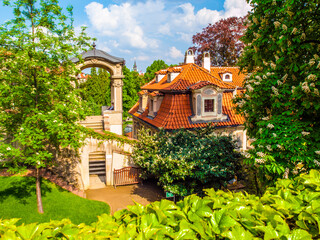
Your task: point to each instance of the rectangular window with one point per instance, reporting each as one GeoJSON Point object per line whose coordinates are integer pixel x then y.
{"type": "Point", "coordinates": [151, 106]}
{"type": "Point", "coordinates": [209, 105]}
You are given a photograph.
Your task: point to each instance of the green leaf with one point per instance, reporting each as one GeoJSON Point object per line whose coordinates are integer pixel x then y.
{"type": "Point", "coordinates": [299, 234]}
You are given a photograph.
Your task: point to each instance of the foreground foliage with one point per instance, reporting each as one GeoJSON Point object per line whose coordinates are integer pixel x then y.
{"type": "Point", "coordinates": [185, 162]}
{"type": "Point", "coordinates": [290, 210]}
{"type": "Point", "coordinates": [18, 200]}
{"type": "Point", "coordinates": [281, 103]}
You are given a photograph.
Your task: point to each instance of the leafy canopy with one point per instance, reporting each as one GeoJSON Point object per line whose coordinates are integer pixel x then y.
{"type": "Point", "coordinates": [39, 104]}
{"type": "Point", "coordinates": [153, 68]}
{"type": "Point", "coordinates": [281, 103]}
{"type": "Point", "coordinates": [96, 90]}
{"type": "Point", "coordinates": [222, 40]}
{"type": "Point", "coordinates": [185, 162]}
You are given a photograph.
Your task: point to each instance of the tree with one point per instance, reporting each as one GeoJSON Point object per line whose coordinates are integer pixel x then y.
{"type": "Point", "coordinates": [39, 105]}
{"type": "Point", "coordinates": [281, 103]}
{"type": "Point", "coordinates": [153, 68]}
{"type": "Point", "coordinates": [185, 162]}
{"type": "Point", "coordinates": [131, 86]}
{"type": "Point", "coordinates": [96, 90]}
{"type": "Point", "coordinates": [222, 40]}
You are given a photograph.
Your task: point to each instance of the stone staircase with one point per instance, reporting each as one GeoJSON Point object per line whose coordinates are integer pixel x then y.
{"type": "Point", "coordinates": [94, 122]}
{"type": "Point", "coordinates": [97, 169]}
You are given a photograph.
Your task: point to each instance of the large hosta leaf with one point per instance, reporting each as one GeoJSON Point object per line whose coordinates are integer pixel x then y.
{"type": "Point", "coordinates": [221, 221]}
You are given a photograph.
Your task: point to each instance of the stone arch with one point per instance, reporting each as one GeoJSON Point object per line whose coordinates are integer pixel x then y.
{"type": "Point", "coordinates": [114, 65]}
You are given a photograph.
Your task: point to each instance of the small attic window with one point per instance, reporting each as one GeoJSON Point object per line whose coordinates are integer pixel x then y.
{"type": "Point", "coordinates": [159, 77]}
{"type": "Point", "coordinates": [227, 77]}
{"type": "Point", "coordinates": [172, 76]}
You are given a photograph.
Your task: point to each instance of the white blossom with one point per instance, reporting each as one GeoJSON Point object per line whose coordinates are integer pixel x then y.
{"type": "Point", "coordinates": [312, 62]}
{"type": "Point", "coordinates": [270, 126]}
{"type": "Point", "coordinates": [279, 82]}
{"type": "Point", "coordinates": [275, 90]}
{"type": "Point", "coordinates": [285, 77]}
{"type": "Point", "coordinates": [264, 77]}
{"type": "Point", "coordinates": [274, 134]}
{"type": "Point", "coordinates": [8, 148]}
{"type": "Point", "coordinates": [294, 30]}
{"type": "Point", "coordinates": [261, 154]}
{"type": "Point", "coordinates": [286, 173]}
{"type": "Point", "coordinates": [305, 87]}
{"type": "Point", "coordinates": [317, 152]}
{"type": "Point", "coordinates": [269, 148]}
{"type": "Point", "coordinates": [316, 162]}
{"type": "Point", "coordinates": [265, 118]}
{"type": "Point", "coordinates": [250, 88]}
{"type": "Point", "coordinates": [280, 146]}
{"type": "Point", "coordinates": [258, 77]}
{"type": "Point", "coordinates": [260, 160]}
{"type": "Point", "coordinates": [284, 27]}
{"type": "Point", "coordinates": [312, 77]}
{"type": "Point", "coordinates": [316, 91]}
{"type": "Point", "coordinates": [305, 133]}
{"type": "Point", "coordinates": [277, 24]}
{"type": "Point", "coordinates": [273, 65]}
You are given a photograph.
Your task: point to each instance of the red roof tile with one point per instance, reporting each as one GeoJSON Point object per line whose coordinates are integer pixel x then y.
{"type": "Point", "coordinates": [189, 75]}
{"type": "Point", "coordinates": [237, 76]}
{"type": "Point", "coordinates": [175, 113]}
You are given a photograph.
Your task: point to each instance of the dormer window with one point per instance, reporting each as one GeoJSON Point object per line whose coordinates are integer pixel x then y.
{"type": "Point", "coordinates": [227, 77]}
{"type": "Point", "coordinates": [159, 77]}
{"type": "Point", "coordinates": [172, 76]}
{"type": "Point", "coordinates": [209, 105]}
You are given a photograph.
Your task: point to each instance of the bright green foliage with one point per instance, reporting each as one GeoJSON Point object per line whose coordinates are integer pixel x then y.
{"type": "Point", "coordinates": [96, 90]}
{"type": "Point", "coordinates": [185, 161]}
{"type": "Point", "coordinates": [290, 210]}
{"type": "Point", "coordinates": [39, 105]}
{"type": "Point", "coordinates": [18, 200]}
{"type": "Point", "coordinates": [282, 101]}
{"type": "Point", "coordinates": [154, 67]}
{"type": "Point", "coordinates": [131, 86]}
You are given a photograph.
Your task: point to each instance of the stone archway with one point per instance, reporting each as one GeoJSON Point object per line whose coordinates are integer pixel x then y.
{"type": "Point", "coordinates": [101, 59]}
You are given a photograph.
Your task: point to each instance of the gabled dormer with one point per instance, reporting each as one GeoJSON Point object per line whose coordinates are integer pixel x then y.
{"type": "Point", "coordinates": [226, 76]}
{"type": "Point", "coordinates": [207, 102]}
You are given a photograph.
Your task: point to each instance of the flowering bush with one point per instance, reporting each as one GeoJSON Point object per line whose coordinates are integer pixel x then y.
{"type": "Point", "coordinates": [185, 162]}
{"type": "Point", "coordinates": [281, 103]}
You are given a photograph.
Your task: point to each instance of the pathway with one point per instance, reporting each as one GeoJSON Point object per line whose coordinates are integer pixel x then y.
{"type": "Point", "coordinates": [122, 196]}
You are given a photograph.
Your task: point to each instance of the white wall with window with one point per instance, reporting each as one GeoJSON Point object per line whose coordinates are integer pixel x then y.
{"type": "Point", "coordinates": [207, 104]}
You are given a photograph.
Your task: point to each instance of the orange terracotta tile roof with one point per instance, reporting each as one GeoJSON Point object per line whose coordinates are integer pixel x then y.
{"type": "Point", "coordinates": [142, 92]}
{"type": "Point", "coordinates": [175, 113]}
{"type": "Point", "coordinates": [237, 76]}
{"type": "Point", "coordinates": [188, 74]}
{"type": "Point", "coordinates": [155, 93]}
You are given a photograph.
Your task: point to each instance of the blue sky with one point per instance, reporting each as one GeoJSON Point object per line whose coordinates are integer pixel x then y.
{"type": "Point", "coordinates": [146, 30]}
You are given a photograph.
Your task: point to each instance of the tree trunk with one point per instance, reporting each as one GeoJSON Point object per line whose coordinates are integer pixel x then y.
{"type": "Point", "coordinates": [38, 190]}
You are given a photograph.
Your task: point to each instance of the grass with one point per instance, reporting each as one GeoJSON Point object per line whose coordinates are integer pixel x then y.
{"type": "Point", "coordinates": [18, 200]}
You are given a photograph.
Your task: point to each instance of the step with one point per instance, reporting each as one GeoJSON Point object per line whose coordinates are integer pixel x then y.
{"type": "Point", "coordinates": [97, 164]}
{"type": "Point", "coordinates": [97, 157]}
{"type": "Point", "coordinates": [97, 173]}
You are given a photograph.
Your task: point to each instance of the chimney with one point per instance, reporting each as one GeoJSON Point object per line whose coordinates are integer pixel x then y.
{"type": "Point", "coordinates": [189, 57]}
{"type": "Point", "coordinates": [206, 61]}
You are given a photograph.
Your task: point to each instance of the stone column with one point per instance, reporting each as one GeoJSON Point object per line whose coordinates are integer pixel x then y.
{"type": "Point", "coordinates": [116, 92]}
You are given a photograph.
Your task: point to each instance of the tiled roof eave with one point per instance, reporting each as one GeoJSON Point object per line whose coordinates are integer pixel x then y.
{"type": "Point", "coordinates": [147, 123]}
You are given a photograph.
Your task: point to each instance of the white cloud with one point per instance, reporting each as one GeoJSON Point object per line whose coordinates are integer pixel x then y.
{"type": "Point", "coordinates": [236, 8]}
{"type": "Point", "coordinates": [143, 58]}
{"type": "Point", "coordinates": [175, 53]}
{"type": "Point", "coordinates": [147, 29]}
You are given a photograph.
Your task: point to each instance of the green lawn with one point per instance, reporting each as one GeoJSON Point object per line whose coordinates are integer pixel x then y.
{"type": "Point", "coordinates": [18, 200]}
